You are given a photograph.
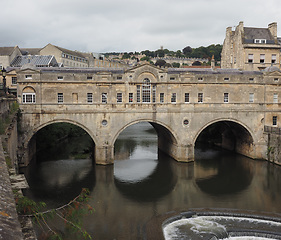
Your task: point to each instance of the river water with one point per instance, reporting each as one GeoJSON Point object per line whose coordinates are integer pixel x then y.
{"type": "Point", "coordinates": [144, 184]}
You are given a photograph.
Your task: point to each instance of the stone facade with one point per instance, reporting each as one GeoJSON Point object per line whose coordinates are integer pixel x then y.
{"type": "Point", "coordinates": [179, 103]}
{"type": "Point", "coordinates": [251, 48]}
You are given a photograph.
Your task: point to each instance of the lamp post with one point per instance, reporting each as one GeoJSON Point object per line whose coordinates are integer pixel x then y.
{"type": "Point", "coordinates": [4, 80]}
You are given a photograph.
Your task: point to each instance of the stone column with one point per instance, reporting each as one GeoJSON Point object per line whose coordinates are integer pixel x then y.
{"type": "Point", "coordinates": [104, 154]}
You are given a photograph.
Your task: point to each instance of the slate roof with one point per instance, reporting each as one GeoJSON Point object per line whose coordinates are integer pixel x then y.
{"type": "Point", "coordinates": [30, 51]}
{"type": "Point", "coordinates": [37, 60]}
{"type": "Point", "coordinates": [6, 51]}
{"type": "Point", "coordinates": [70, 52]}
{"type": "Point", "coordinates": [251, 33]}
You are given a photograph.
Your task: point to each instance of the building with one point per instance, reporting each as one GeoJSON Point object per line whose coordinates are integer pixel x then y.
{"type": "Point", "coordinates": [250, 48]}
{"type": "Point", "coordinates": [7, 55]}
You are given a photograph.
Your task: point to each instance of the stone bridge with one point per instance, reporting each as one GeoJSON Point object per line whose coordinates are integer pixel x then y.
{"type": "Point", "coordinates": [179, 103]}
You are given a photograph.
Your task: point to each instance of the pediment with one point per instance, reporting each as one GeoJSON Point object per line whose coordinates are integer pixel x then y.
{"type": "Point", "coordinates": [146, 67]}
{"type": "Point", "coordinates": [274, 74]}
{"type": "Point", "coordinates": [28, 69]}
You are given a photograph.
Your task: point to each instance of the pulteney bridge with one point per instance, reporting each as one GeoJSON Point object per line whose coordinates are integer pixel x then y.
{"type": "Point", "coordinates": [179, 103]}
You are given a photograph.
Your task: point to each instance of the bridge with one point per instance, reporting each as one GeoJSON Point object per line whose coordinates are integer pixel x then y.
{"type": "Point", "coordinates": [181, 104]}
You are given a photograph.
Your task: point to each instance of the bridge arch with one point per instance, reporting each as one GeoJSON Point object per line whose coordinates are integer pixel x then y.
{"type": "Point", "coordinates": [234, 134]}
{"type": "Point", "coordinates": [167, 138]}
{"type": "Point", "coordinates": [36, 129]}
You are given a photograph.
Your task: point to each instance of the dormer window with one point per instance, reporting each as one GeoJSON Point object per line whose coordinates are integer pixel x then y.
{"type": "Point", "coordinates": [260, 40]}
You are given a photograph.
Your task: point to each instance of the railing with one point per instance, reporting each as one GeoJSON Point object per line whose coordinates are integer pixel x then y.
{"type": "Point", "coordinates": [274, 130]}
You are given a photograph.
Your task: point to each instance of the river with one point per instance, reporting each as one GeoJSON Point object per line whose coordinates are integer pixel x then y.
{"type": "Point", "coordinates": [144, 184]}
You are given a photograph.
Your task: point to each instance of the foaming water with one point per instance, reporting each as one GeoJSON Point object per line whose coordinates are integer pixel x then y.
{"type": "Point", "coordinates": [221, 227]}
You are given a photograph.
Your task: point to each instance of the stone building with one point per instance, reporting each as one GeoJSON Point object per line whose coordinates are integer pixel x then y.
{"type": "Point", "coordinates": [7, 55]}
{"type": "Point", "coordinates": [250, 48]}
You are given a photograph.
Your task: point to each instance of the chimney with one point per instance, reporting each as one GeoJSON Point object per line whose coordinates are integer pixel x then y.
{"type": "Point", "coordinates": [273, 29]}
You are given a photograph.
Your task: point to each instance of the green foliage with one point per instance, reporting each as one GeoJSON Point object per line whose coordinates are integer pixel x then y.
{"type": "Point", "coordinates": [146, 58]}
{"type": "Point", "coordinates": [175, 65]}
{"type": "Point", "coordinates": [160, 62]}
{"type": "Point", "coordinates": [70, 214]}
{"type": "Point", "coordinates": [204, 52]}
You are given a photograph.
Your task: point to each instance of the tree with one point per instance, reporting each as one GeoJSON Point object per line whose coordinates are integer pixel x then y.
{"type": "Point", "coordinates": [176, 65]}
{"type": "Point", "coordinates": [160, 62]}
{"type": "Point", "coordinates": [160, 53]}
{"type": "Point", "coordinates": [187, 51]}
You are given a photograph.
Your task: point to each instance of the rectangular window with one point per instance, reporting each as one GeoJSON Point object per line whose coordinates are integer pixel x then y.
{"type": "Point", "coordinates": [174, 97]}
{"type": "Point", "coordinates": [250, 58]}
{"type": "Point", "coordinates": [89, 77]}
{"type": "Point", "coordinates": [262, 58]}
{"type": "Point", "coordinates": [28, 76]}
{"type": "Point", "coordinates": [200, 79]}
{"type": "Point", "coordinates": [251, 79]}
{"type": "Point", "coordinates": [274, 120]}
{"type": "Point", "coordinates": [273, 58]}
{"type": "Point", "coordinates": [200, 97]}
{"type": "Point", "coordinates": [161, 97]}
{"type": "Point", "coordinates": [275, 98]}
{"type": "Point", "coordinates": [172, 78]}
{"type": "Point", "coordinates": [60, 77]}
{"type": "Point", "coordinates": [226, 79]}
{"type": "Point", "coordinates": [14, 80]}
{"type": "Point", "coordinates": [186, 97]}
{"type": "Point", "coordinates": [225, 97]}
{"type": "Point", "coordinates": [119, 97]}
{"type": "Point", "coordinates": [104, 97]}
{"type": "Point", "coordinates": [89, 97]}
{"type": "Point", "coordinates": [138, 93]}
{"type": "Point", "coordinates": [60, 97]}
{"type": "Point", "coordinates": [28, 98]}
{"type": "Point", "coordinates": [276, 79]}
{"type": "Point", "coordinates": [131, 97]}
{"type": "Point", "coordinates": [153, 93]}
{"type": "Point", "coordinates": [251, 97]}
{"type": "Point", "coordinates": [119, 77]}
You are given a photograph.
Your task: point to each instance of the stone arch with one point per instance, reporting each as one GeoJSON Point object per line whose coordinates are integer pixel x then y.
{"type": "Point", "coordinates": [244, 142]}
{"type": "Point", "coordinates": [36, 129]}
{"type": "Point", "coordinates": [154, 123]}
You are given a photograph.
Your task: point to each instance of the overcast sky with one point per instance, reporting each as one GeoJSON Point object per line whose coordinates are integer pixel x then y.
{"type": "Point", "coordinates": [129, 25]}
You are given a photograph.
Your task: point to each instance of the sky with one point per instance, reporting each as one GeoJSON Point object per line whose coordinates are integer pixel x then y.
{"type": "Point", "coordinates": [129, 25]}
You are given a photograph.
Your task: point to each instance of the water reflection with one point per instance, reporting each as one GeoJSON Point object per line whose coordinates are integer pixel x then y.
{"type": "Point", "coordinates": [142, 185]}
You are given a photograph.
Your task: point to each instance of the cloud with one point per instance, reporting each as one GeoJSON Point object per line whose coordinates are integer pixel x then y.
{"type": "Point", "coordinates": [128, 25]}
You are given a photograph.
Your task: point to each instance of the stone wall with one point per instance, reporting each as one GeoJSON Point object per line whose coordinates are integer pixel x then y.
{"type": "Point", "coordinates": [274, 145]}
{"type": "Point", "coordinates": [9, 225]}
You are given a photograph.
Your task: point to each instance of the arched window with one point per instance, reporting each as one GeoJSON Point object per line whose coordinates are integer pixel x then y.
{"type": "Point", "coordinates": [28, 95]}
{"type": "Point", "coordinates": [146, 90]}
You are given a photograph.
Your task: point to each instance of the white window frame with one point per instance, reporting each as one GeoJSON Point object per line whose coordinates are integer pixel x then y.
{"type": "Point", "coordinates": [200, 97]}
{"type": "Point", "coordinates": [251, 97]}
{"type": "Point", "coordinates": [104, 97]}
{"type": "Point", "coordinates": [131, 97]}
{"type": "Point", "coordinates": [275, 97]}
{"type": "Point", "coordinates": [186, 98]}
{"type": "Point", "coordinates": [273, 58]}
{"type": "Point", "coordinates": [28, 98]}
{"type": "Point", "coordinates": [262, 58]}
{"type": "Point", "coordinates": [161, 96]}
{"type": "Point", "coordinates": [174, 98]}
{"type": "Point", "coordinates": [28, 76]}
{"type": "Point", "coordinates": [119, 98]}
{"type": "Point", "coordinates": [250, 58]}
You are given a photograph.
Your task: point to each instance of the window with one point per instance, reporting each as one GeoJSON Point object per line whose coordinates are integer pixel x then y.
{"type": "Point", "coordinates": [200, 79]}
{"type": "Point", "coordinates": [276, 79]}
{"type": "Point", "coordinates": [138, 93]}
{"type": "Point", "coordinates": [226, 79]}
{"type": "Point", "coordinates": [146, 90]}
{"type": "Point", "coordinates": [89, 97]}
{"type": "Point", "coordinates": [119, 77]}
{"type": "Point", "coordinates": [104, 97]}
{"type": "Point", "coordinates": [262, 58]}
{"type": "Point", "coordinates": [174, 97]}
{"type": "Point", "coordinates": [60, 77]}
{"type": "Point", "coordinates": [14, 80]}
{"type": "Point", "coordinates": [251, 79]}
{"type": "Point", "coordinates": [89, 77]}
{"type": "Point", "coordinates": [225, 97]}
{"type": "Point", "coordinates": [186, 97]}
{"type": "Point", "coordinates": [119, 97]}
{"type": "Point", "coordinates": [275, 98]}
{"type": "Point", "coordinates": [274, 120]}
{"type": "Point", "coordinates": [161, 97]}
{"type": "Point", "coordinates": [260, 40]}
{"type": "Point", "coordinates": [154, 93]}
{"type": "Point", "coordinates": [131, 97]}
{"type": "Point", "coordinates": [251, 97]}
{"type": "Point", "coordinates": [172, 78]}
{"type": "Point", "coordinates": [28, 98]}
{"type": "Point", "coordinates": [250, 58]}
{"type": "Point", "coordinates": [60, 97]}
{"type": "Point", "coordinates": [273, 58]}
{"type": "Point", "coordinates": [28, 76]}
{"type": "Point", "coordinates": [200, 97]}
